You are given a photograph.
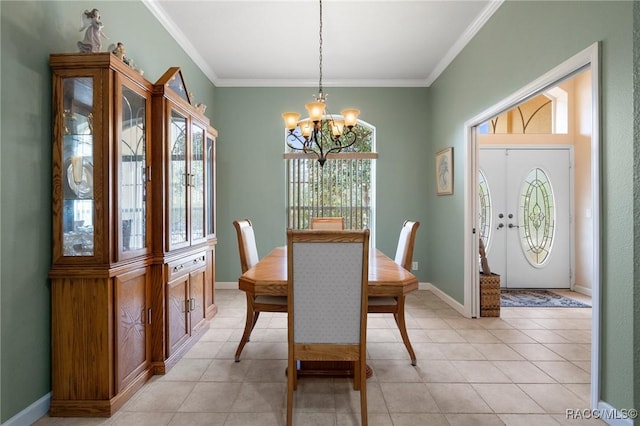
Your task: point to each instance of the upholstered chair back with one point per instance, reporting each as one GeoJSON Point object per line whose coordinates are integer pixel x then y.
{"type": "Point", "coordinates": [404, 251]}
{"type": "Point", "coordinates": [327, 278]}
{"type": "Point", "coordinates": [246, 244]}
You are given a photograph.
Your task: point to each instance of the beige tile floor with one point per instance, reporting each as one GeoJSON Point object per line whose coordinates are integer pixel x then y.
{"type": "Point", "coordinates": [525, 368]}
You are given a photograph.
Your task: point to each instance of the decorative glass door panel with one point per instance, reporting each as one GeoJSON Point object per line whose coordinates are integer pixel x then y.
{"type": "Point", "coordinates": [537, 217]}
{"type": "Point", "coordinates": [210, 206]}
{"type": "Point", "coordinates": [133, 166]}
{"type": "Point", "coordinates": [177, 179]}
{"type": "Point", "coordinates": [196, 179]}
{"type": "Point", "coordinates": [484, 209]}
{"type": "Point", "coordinates": [77, 180]}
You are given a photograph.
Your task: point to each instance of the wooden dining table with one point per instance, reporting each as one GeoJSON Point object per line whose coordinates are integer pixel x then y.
{"type": "Point", "coordinates": [269, 278]}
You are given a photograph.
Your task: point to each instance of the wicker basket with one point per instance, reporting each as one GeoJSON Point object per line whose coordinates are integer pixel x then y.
{"type": "Point", "coordinates": [489, 295]}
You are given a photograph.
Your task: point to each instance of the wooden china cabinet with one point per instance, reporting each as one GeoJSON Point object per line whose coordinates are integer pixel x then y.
{"type": "Point", "coordinates": [183, 173]}
{"type": "Point", "coordinates": [132, 276]}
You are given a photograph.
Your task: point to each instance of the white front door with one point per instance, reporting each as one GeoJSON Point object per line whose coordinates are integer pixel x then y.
{"type": "Point", "coordinates": [525, 205]}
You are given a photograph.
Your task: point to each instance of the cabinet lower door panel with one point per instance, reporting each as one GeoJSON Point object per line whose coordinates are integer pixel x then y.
{"type": "Point", "coordinates": [196, 283]}
{"type": "Point", "coordinates": [81, 347]}
{"type": "Point", "coordinates": [178, 328]}
{"type": "Point", "coordinates": [131, 301]}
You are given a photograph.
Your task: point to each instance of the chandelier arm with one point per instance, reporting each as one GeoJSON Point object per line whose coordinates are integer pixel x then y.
{"type": "Point", "coordinates": [306, 145]}
{"type": "Point", "coordinates": [351, 138]}
{"type": "Point", "coordinates": [316, 138]}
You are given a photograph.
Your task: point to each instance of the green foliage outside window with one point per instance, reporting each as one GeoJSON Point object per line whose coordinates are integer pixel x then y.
{"type": "Point", "coordinates": [343, 187]}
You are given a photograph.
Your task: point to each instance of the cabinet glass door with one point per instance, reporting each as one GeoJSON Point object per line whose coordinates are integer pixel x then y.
{"type": "Point", "coordinates": [177, 180]}
{"type": "Point", "coordinates": [78, 207]}
{"type": "Point", "coordinates": [133, 167]}
{"type": "Point", "coordinates": [197, 183]}
{"type": "Point", "coordinates": [210, 206]}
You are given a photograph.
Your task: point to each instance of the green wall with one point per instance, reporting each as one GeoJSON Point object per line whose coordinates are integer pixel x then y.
{"type": "Point", "coordinates": [30, 31]}
{"type": "Point", "coordinates": [521, 42]}
{"type": "Point", "coordinates": [251, 175]}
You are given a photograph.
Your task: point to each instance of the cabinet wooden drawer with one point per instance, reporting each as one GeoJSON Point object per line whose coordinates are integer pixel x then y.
{"type": "Point", "coordinates": [186, 265]}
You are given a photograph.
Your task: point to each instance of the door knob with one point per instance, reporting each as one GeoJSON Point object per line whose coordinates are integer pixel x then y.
{"type": "Point", "coordinates": [511, 225]}
{"type": "Point", "coordinates": [510, 215]}
{"type": "Point", "coordinates": [501, 215]}
{"type": "Point", "coordinates": [500, 225]}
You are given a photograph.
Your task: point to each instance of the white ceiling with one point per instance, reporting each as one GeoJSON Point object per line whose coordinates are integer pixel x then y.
{"type": "Point", "coordinates": [374, 43]}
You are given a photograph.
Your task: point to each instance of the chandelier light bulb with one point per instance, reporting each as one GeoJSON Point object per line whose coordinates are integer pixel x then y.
{"type": "Point", "coordinates": [316, 110]}
{"type": "Point", "coordinates": [337, 127]}
{"type": "Point", "coordinates": [350, 116]}
{"type": "Point", "coordinates": [290, 119]}
{"type": "Point", "coordinates": [305, 128]}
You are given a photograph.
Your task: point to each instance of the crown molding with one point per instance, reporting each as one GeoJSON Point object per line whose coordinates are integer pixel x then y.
{"type": "Point", "coordinates": [325, 83]}
{"type": "Point", "coordinates": [464, 39]}
{"type": "Point", "coordinates": [181, 39]}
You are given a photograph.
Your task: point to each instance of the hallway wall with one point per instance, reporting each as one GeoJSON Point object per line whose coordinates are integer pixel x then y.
{"type": "Point", "coordinates": [542, 35]}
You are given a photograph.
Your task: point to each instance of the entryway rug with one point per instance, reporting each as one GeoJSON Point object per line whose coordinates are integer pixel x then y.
{"type": "Point", "coordinates": [537, 299]}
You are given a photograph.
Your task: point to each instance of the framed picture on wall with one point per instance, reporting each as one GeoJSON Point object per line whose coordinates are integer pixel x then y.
{"type": "Point", "coordinates": [444, 172]}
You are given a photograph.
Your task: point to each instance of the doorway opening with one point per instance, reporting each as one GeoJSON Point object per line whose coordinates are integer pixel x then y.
{"type": "Point", "coordinates": [589, 260]}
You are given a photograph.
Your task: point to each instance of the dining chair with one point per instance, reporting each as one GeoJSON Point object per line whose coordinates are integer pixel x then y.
{"type": "Point", "coordinates": [395, 305]}
{"type": "Point", "coordinates": [331, 223]}
{"type": "Point", "coordinates": [327, 279]}
{"type": "Point", "coordinates": [255, 304]}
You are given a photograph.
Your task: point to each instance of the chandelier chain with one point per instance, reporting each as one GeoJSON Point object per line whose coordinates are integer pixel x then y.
{"type": "Point", "coordinates": [320, 54]}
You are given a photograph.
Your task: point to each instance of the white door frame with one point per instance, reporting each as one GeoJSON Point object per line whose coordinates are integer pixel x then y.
{"type": "Point", "coordinates": [588, 58]}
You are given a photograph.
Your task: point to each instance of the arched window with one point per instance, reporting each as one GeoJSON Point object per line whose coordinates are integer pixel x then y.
{"type": "Point", "coordinates": [344, 186]}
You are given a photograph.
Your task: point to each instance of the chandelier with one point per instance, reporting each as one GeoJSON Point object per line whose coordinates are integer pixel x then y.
{"type": "Point", "coordinates": [320, 134]}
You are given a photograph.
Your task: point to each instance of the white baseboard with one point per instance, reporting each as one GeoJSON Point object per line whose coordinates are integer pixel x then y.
{"type": "Point", "coordinates": [229, 285]}
{"type": "Point", "coordinates": [424, 286]}
{"type": "Point", "coordinates": [444, 296]}
{"type": "Point", "coordinates": [582, 290]}
{"type": "Point", "coordinates": [32, 413]}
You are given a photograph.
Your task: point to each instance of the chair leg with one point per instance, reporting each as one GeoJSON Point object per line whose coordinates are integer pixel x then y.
{"type": "Point", "coordinates": [291, 385]}
{"type": "Point", "coordinates": [248, 327]}
{"type": "Point", "coordinates": [357, 376]}
{"type": "Point", "coordinates": [402, 326]}
{"type": "Point", "coordinates": [362, 367]}
{"type": "Point", "coordinates": [255, 320]}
